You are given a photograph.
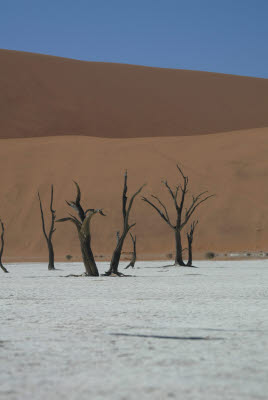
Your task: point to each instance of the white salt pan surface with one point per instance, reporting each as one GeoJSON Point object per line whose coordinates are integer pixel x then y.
{"type": "Point", "coordinates": [57, 334]}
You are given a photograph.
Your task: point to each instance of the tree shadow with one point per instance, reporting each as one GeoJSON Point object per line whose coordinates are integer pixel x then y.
{"type": "Point", "coordinates": [173, 265]}
{"type": "Point", "coordinates": [166, 337]}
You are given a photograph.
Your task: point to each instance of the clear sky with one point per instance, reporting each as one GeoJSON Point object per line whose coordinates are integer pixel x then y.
{"type": "Point", "coordinates": [210, 35]}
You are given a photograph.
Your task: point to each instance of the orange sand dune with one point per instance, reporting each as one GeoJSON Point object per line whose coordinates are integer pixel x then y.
{"type": "Point", "coordinates": [50, 96]}
{"type": "Point", "coordinates": [232, 165]}
{"type": "Point", "coordinates": [64, 119]}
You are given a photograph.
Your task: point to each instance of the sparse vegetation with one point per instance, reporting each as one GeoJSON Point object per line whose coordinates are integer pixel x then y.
{"type": "Point", "coordinates": [183, 213]}
{"type": "Point", "coordinates": [210, 255]}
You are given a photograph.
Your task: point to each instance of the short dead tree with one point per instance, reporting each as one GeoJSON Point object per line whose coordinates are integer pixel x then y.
{"type": "Point", "coordinates": [83, 228]}
{"type": "Point", "coordinates": [113, 270]}
{"type": "Point", "coordinates": [134, 253]}
{"type": "Point", "coordinates": [2, 246]}
{"type": "Point", "coordinates": [178, 196]}
{"type": "Point", "coordinates": [48, 236]}
{"type": "Point", "coordinates": [190, 238]}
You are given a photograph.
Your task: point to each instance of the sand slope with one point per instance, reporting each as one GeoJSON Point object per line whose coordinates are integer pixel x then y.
{"type": "Point", "coordinates": [232, 165]}
{"type": "Point", "coordinates": [64, 119]}
{"type": "Point", "coordinates": [50, 96]}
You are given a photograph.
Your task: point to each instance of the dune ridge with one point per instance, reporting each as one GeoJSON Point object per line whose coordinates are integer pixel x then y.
{"type": "Point", "coordinates": [51, 96]}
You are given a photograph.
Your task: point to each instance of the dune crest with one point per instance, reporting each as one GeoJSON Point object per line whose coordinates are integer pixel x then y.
{"type": "Point", "coordinates": [52, 96]}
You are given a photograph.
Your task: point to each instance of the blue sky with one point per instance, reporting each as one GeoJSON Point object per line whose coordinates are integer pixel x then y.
{"type": "Point", "coordinates": [221, 36]}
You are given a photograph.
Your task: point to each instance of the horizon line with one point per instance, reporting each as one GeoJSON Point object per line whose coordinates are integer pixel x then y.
{"type": "Point", "coordinates": [130, 64]}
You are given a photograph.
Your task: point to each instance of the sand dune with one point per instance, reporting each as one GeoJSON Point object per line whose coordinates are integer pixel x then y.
{"type": "Point", "coordinates": [65, 119]}
{"type": "Point", "coordinates": [51, 96]}
{"type": "Point", "coordinates": [232, 165]}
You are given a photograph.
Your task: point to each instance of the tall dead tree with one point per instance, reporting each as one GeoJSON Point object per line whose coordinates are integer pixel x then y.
{"type": "Point", "coordinates": [183, 214]}
{"type": "Point", "coordinates": [48, 236]}
{"type": "Point", "coordinates": [113, 270]}
{"type": "Point", "coordinates": [190, 238]}
{"type": "Point", "coordinates": [2, 246]}
{"type": "Point", "coordinates": [134, 253]}
{"type": "Point", "coordinates": [83, 228]}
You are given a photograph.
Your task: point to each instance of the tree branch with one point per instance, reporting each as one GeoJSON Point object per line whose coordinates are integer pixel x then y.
{"type": "Point", "coordinates": [42, 217]}
{"type": "Point", "coordinates": [159, 212]}
{"type": "Point", "coordinates": [173, 194]}
{"type": "Point", "coordinates": [53, 214]}
{"type": "Point", "coordinates": [124, 198]}
{"type": "Point", "coordinates": [131, 201]}
{"type": "Point", "coordinates": [194, 206]}
{"type": "Point", "coordinates": [190, 234]}
{"type": "Point", "coordinates": [76, 204]}
{"type": "Point", "coordinates": [163, 205]}
{"type": "Point", "coordinates": [73, 220]}
{"type": "Point", "coordinates": [184, 188]}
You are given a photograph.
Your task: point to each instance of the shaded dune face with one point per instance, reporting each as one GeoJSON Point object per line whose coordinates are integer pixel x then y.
{"type": "Point", "coordinates": [64, 120]}
{"type": "Point", "coordinates": [51, 96]}
{"type": "Point", "coordinates": [231, 165]}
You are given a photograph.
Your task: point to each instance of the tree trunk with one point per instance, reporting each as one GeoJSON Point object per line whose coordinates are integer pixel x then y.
{"type": "Point", "coordinates": [134, 255]}
{"type": "Point", "coordinates": [2, 246]}
{"type": "Point", "coordinates": [83, 230]}
{"type": "Point", "coordinates": [48, 236]}
{"type": "Point", "coordinates": [88, 257]}
{"type": "Point", "coordinates": [190, 254]}
{"type": "Point", "coordinates": [126, 228]}
{"type": "Point", "coordinates": [178, 258]}
{"type": "Point", "coordinates": [116, 256]}
{"type": "Point", "coordinates": [3, 268]}
{"type": "Point", "coordinates": [50, 256]}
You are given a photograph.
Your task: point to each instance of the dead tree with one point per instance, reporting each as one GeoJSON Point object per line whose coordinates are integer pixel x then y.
{"type": "Point", "coordinates": [83, 228]}
{"type": "Point", "coordinates": [134, 253]}
{"type": "Point", "coordinates": [2, 246]}
{"type": "Point", "coordinates": [113, 270]}
{"type": "Point", "coordinates": [190, 238]}
{"type": "Point", "coordinates": [178, 196]}
{"type": "Point", "coordinates": [48, 236]}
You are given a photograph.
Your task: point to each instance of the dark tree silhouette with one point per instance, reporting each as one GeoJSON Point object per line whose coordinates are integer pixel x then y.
{"type": "Point", "coordinates": [113, 270]}
{"type": "Point", "coordinates": [134, 253]}
{"type": "Point", "coordinates": [183, 213]}
{"type": "Point", "coordinates": [83, 228]}
{"type": "Point", "coordinates": [2, 246]}
{"type": "Point", "coordinates": [190, 238]}
{"type": "Point", "coordinates": [48, 236]}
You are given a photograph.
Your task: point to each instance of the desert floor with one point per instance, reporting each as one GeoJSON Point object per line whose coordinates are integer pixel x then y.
{"type": "Point", "coordinates": [163, 333]}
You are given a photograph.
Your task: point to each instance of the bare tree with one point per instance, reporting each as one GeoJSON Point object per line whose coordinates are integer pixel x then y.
{"type": "Point", "coordinates": [126, 228]}
{"type": "Point", "coordinates": [83, 228]}
{"type": "Point", "coordinates": [190, 238]}
{"type": "Point", "coordinates": [2, 246]}
{"type": "Point", "coordinates": [178, 196]}
{"type": "Point", "coordinates": [48, 236]}
{"type": "Point", "coordinates": [134, 253]}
